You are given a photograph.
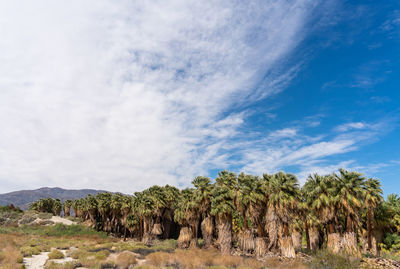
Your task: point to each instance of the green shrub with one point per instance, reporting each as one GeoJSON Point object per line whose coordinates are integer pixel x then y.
{"type": "Point", "coordinates": [29, 251]}
{"type": "Point", "coordinates": [56, 254]}
{"type": "Point", "coordinates": [392, 241]}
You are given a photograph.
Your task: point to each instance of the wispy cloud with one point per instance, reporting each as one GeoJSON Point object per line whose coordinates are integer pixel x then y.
{"type": "Point", "coordinates": [122, 95]}
{"type": "Point", "coordinates": [303, 154]}
{"type": "Point", "coordinates": [351, 125]}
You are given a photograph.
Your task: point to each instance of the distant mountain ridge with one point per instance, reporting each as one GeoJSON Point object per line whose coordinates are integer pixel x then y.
{"type": "Point", "coordinates": [23, 198]}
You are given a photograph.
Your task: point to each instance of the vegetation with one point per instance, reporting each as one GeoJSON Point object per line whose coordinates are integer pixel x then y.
{"type": "Point", "coordinates": [335, 218]}
{"type": "Point", "coordinates": [47, 205]}
{"type": "Point", "coordinates": [56, 254]}
{"type": "Point", "coordinates": [342, 212]}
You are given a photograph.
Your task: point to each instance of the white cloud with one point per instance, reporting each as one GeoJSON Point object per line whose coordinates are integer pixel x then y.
{"type": "Point", "coordinates": [121, 95]}
{"type": "Point", "coordinates": [351, 125]}
{"type": "Point", "coordinates": [287, 132]}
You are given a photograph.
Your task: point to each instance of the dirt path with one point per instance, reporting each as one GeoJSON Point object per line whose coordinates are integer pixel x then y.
{"type": "Point", "coordinates": [57, 219]}
{"type": "Point", "coordinates": [36, 261]}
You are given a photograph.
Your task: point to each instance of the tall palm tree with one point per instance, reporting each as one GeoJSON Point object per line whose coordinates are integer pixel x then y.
{"type": "Point", "coordinates": [90, 206]}
{"type": "Point", "coordinates": [373, 196]}
{"type": "Point", "coordinates": [246, 198]}
{"type": "Point", "coordinates": [126, 210]}
{"type": "Point", "coordinates": [67, 207]}
{"type": "Point", "coordinates": [56, 206]}
{"type": "Point", "coordinates": [202, 195]}
{"type": "Point", "coordinates": [223, 206]}
{"type": "Point", "coordinates": [349, 196]}
{"type": "Point", "coordinates": [187, 214]}
{"type": "Point", "coordinates": [104, 208]}
{"type": "Point", "coordinates": [320, 192]}
{"type": "Point", "coordinates": [283, 201]}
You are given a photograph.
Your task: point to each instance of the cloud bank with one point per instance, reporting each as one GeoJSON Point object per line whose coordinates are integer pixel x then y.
{"type": "Point", "coordinates": [120, 95]}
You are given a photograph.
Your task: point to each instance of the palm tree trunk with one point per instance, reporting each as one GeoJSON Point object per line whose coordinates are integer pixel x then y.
{"type": "Point", "coordinates": [369, 230]}
{"type": "Point", "coordinates": [224, 227]}
{"type": "Point", "coordinates": [334, 239]}
{"type": "Point", "coordinates": [207, 229]}
{"type": "Point", "coordinates": [297, 238]}
{"type": "Point", "coordinates": [193, 241]}
{"type": "Point", "coordinates": [185, 237]}
{"type": "Point", "coordinates": [307, 235]}
{"type": "Point", "coordinates": [314, 238]}
{"type": "Point", "coordinates": [246, 241]}
{"type": "Point", "coordinates": [286, 243]}
{"type": "Point", "coordinates": [349, 241]}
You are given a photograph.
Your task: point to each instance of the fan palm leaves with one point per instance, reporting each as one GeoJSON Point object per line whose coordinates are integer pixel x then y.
{"type": "Point", "coordinates": [349, 195]}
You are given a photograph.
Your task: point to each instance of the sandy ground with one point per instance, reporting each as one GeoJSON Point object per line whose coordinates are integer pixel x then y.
{"type": "Point", "coordinates": [57, 219]}
{"type": "Point", "coordinates": [36, 261]}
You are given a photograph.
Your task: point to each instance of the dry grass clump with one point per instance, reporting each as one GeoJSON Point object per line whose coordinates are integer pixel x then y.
{"type": "Point", "coordinates": [67, 265]}
{"type": "Point", "coordinates": [160, 259]}
{"type": "Point", "coordinates": [10, 257]}
{"type": "Point", "coordinates": [198, 258]}
{"type": "Point", "coordinates": [55, 254]}
{"type": "Point", "coordinates": [90, 259]}
{"type": "Point", "coordinates": [228, 261]}
{"type": "Point", "coordinates": [125, 259]}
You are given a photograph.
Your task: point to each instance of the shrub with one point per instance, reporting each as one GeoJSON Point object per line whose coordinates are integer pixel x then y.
{"type": "Point", "coordinates": [392, 241]}
{"type": "Point", "coordinates": [29, 251]}
{"type": "Point", "coordinates": [55, 254]}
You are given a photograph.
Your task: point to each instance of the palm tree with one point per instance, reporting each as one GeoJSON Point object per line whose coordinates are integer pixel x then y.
{"type": "Point", "coordinates": [372, 196]}
{"type": "Point", "coordinates": [187, 214]}
{"type": "Point", "coordinates": [67, 207]}
{"type": "Point", "coordinates": [171, 195]}
{"type": "Point", "coordinates": [126, 209]}
{"type": "Point", "coordinates": [320, 192]}
{"type": "Point", "coordinates": [223, 206]}
{"type": "Point", "coordinates": [104, 208]}
{"type": "Point", "coordinates": [202, 195]}
{"type": "Point", "coordinates": [90, 206]}
{"type": "Point", "coordinates": [247, 196]}
{"type": "Point", "coordinates": [283, 201]}
{"type": "Point", "coordinates": [349, 196]}
{"type": "Point", "coordinates": [116, 214]}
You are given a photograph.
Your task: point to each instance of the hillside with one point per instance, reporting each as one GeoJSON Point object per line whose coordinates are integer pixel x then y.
{"type": "Point", "coordinates": [24, 197]}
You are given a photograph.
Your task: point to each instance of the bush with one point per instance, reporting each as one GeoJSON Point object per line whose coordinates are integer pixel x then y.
{"type": "Point", "coordinates": [56, 254]}
{"type": "Point", "coordinates": [29, 251]}
{"type": "Point", "coordinates": [392, 241]}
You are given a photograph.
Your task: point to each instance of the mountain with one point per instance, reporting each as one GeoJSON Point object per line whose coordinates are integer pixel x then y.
{"type": "Point", "coordinates": [23, 198]}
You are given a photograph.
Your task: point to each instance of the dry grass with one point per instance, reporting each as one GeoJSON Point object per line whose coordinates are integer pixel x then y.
{"type": "Point", "coordinates": [197, 258]}
{"type": "Point", "coordinates": [55, 254]}
{"type": "Point", "coordinates": [125, 259]}
{"type": "Point", "coordinates": [10, 255]}
{"type": "Point", "coordinates": [67, 265]}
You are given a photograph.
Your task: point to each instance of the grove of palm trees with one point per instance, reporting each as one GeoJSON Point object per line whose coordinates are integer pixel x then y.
{"type": "Point", "coordinates": [342, 212]}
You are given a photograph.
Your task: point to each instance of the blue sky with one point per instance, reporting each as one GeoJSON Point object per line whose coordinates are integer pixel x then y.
{"type": "Point", "coordinates": [122, 95]}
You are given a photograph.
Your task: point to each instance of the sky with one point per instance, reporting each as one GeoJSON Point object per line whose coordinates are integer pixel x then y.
{"type": "Point", "coordinates": [121, 95]}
